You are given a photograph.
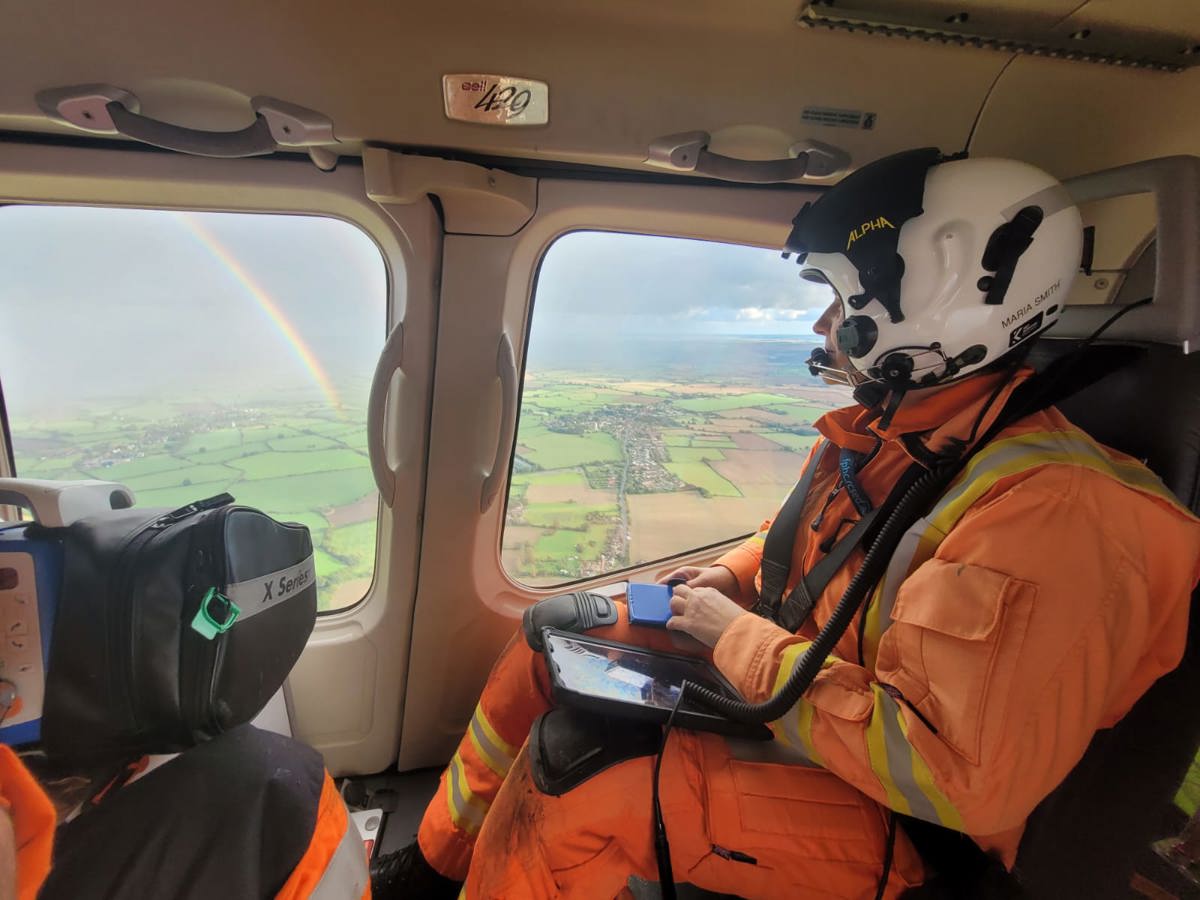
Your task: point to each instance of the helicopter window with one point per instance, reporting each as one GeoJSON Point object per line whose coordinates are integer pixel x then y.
{"type": "Point", "coordinates": [666, 405]}
{"type": "Point", "coordinates": [189, 353]}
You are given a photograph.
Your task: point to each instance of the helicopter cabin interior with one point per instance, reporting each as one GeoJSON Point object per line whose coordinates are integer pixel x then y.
{"type": "Point", "coordinates": [489, 297]}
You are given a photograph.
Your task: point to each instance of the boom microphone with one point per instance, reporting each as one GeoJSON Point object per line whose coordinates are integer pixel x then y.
{"type": "Point", "coordinates": [819, 360]}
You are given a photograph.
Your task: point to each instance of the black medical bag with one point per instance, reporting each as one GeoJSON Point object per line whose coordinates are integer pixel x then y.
{"type": "Point", "coordinates": [172, 627]}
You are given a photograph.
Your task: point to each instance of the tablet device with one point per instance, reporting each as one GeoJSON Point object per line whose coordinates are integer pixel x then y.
{"type": "Point", "coordinates": [622, 680]}
{"type": "Point", "coordinates": [649, 604]}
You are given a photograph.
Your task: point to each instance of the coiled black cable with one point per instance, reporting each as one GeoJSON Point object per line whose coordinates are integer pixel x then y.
{"type": "Point", "coordinates": [924, 491]}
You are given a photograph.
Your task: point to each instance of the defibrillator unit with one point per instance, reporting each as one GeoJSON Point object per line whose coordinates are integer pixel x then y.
{"type": "Point", "coordinates": [31, 567]}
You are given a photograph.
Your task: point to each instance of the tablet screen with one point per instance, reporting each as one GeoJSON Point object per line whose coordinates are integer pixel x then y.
{"type": "Point", "coordinates": [626, 674]}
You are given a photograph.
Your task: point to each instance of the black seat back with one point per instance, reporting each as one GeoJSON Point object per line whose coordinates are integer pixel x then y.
{"type": "Point", "coordinates": [1090, 836]}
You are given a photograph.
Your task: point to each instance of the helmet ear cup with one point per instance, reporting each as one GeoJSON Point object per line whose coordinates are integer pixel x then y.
{"type": "Point", "coordinates": [857, 336]}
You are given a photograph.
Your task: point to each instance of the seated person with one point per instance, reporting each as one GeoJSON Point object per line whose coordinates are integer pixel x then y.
{"type": "Point", "coordinates": [248, 814]}
{"type": "Point", "coordinates": [1034, 604]}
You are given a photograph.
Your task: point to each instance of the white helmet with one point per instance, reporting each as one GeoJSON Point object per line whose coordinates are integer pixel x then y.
{"type": "Point", "coordinates": [942, 266]}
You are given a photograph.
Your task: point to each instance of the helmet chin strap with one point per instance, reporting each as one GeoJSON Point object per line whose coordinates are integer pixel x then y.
{"type": "Point", "coordinates": [882, 398]}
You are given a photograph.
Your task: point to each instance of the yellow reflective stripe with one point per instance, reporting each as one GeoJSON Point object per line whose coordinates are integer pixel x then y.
{"type": "Point", "coordinates": [923, 778]}
{"type": "Point", "coordinates": [905, 777]}
{"type": "Point", "coordinates": [466, 809]}
{"type": "Point", "coordinates": [795, 726]}
{"type": "Point", "coordinates": [495, 753]}
{"type": "Point", "coordinates": [504, 745]}
{"type": "Point", "coordinates": [1026, 451]}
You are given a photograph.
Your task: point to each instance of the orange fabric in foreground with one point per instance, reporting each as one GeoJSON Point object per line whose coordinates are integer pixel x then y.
{"type": "Point", "coordinates": [33, 821]}
{"type": "Point", "coordinates": [330, 828]}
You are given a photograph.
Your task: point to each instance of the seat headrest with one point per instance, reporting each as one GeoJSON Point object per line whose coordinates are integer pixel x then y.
{"type": "Point", "coordinates": [1147, 409]}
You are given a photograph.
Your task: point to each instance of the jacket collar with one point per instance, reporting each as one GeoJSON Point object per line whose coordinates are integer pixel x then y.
{"type": "Point", "coordinates": [937, 418]}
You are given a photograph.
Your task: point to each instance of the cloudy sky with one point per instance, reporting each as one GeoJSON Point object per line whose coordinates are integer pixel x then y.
{"type": "Point", "coordinates": [659, 285]}
{"type": "Point", "coordinates": [104, 303]}
{"type": "Point", "coordinates": [108, 303]}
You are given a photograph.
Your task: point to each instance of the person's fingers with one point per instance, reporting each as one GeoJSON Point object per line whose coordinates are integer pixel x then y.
{"type": "Point", "coordinates": [675, 623]}
{"type": "Point", "coordinates": [678, 604]}
{"type": "Point", "coordinates": [683, 573]}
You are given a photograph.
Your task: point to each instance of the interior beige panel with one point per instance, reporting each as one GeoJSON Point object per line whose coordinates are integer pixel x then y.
{"type": "Point", "coordinates": [467, 608]}
{"type": "Point", "coordinates": [345, 692]}
{"type": "Point", "coordinates": [620, 73]}
{"type": "Point", "coordinates": [1175, 17]}
{"type": "Point", "coordinates": [1071, 118]}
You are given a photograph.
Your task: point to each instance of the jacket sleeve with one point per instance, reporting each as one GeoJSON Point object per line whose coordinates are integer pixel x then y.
{"type": "Point", "coordinates": [745, 560]}
{"type": "Point", "coordinates": [1035, 623]}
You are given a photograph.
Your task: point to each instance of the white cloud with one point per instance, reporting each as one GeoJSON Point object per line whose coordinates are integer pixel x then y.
{"type": "Point", "coordinates": [759, 314]}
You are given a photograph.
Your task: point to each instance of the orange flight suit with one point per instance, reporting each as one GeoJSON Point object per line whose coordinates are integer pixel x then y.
{"type": "Point", "coordinates": [33, 821]}
{"type": "Point", "coordinates": [1039, 598]}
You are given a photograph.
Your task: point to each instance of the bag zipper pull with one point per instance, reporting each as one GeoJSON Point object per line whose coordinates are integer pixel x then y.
{"type": "Point", "coordinates": [191, 509]}
{"type": "Point", "coordinates": [734, 855]}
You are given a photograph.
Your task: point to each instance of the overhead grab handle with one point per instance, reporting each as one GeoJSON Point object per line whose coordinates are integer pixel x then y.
{"type": "Point", "coordinates": [104, 109]}
{"type": "Point", "coordinates": [254, 140]}
{"type": "Point", "coordinates": [506, 371]}
{"type": "Point", "coordinates": [390, 362]}
{"type": "Point", "coordinates": [688, 152]}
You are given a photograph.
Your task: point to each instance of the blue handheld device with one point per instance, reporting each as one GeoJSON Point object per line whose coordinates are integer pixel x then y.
{"type": "Point", "coordinates": [649, 604]}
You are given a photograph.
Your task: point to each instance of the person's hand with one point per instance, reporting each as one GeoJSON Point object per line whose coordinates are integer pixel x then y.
{"type": "Point", "coordinates": [716, 577]}
{"type": "Point", "coordinates": [702, 612]}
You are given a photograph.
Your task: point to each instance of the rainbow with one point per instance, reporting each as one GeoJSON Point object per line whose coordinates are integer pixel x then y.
{"type": "Point", "coordinates": [268, 305]}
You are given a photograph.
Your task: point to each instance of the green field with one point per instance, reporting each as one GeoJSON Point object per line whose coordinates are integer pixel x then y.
{"type": "Point", "coordinates": [693, 454]}
{"type": "Point", "coordinates": [556, 478]}
{"type": "Point", "coordinates": [551, 450]}
{"type": "Point", "coordinates": [293, 465]}
{"type": "Point", "coordinates": [303, 463]}
{"type": "Point", "coordinates": [179, 495]}
{"type": "Point", "coordinates": [701, 476]}
{"type": "Point", "coordinates": [278, 465]}
{"type": "Point", "coordinates": [798, 442]}
{"type": "Point", "coordinates": [302, 442]}
{"type": "Point", "coordinates": [564, 515]}
{"type": "Point", "coordinates": [220, 439]}
{"type": "Point", "coordinates": [139, 468]}
{"type": "Point", "coordinates": [733, 401]}
{"type": "Point", "coordinates": [585, 543]}
{"type": "Point", "coordinates": [225, 455]}
{"type": "Point", "coordinates": [328, 489]}
{"type": "Point", "coordinates": [186, 477]}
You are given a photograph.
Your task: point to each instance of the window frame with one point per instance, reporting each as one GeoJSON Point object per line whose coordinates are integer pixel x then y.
{"type": "Point", "coordinates": [754, 217]}
{"type": "Point", "coordinates": [8, 466]}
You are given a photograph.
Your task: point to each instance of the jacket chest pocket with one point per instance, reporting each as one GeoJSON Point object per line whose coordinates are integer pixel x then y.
{"type": "Point", "coordinates": [953, 647]}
